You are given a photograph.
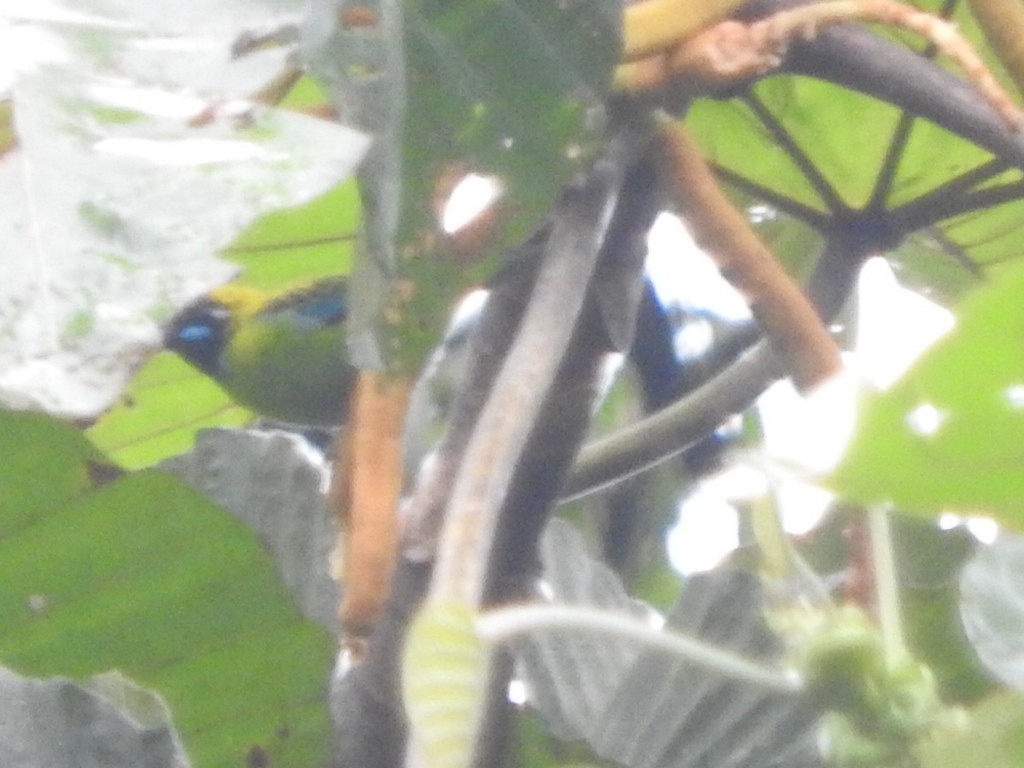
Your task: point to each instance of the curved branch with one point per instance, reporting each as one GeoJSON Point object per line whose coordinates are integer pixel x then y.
{"type": "Point", "coordinates": [865, 62]}
{"type": "Point", "coordinates": [673, 429]}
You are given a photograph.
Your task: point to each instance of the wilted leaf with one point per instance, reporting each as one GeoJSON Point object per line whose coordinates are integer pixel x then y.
{"type": "Point", "coordinates": [992, 607]}
{"type": "Point", "coordinates": [107, 722]}
{"type": "Point", "coordinates": [570, 677]}
{"type": "Point", "coordinates": [671, 713]}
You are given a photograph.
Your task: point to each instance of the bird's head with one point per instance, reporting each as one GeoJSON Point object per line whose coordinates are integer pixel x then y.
{"type": "Point", "coordinates": [202, 330]}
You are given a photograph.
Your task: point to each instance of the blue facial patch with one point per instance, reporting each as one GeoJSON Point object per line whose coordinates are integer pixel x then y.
{"type": "Point", "coordinates": [194, 334]}
{"type": "Point", "coordinates": [199, 334]}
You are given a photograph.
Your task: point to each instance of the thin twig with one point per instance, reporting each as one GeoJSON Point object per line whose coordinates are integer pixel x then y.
{"type": "Point", "coordinates": [670, 431]}
{"type": "Point", "coordinates": [887, 594]}
{"type": "Point", "coordinates": [507, 623]}
{"type": "Point", "coordinates": [673, 429]}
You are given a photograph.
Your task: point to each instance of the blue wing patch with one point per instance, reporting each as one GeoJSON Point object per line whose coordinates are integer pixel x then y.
{"type": "Point", "coordinates": [320, 311]}
{"type": "Point", "coordinates": [323, 303]}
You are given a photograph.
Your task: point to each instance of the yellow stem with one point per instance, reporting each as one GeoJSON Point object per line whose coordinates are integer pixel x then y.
{"type": "Point", "coordinates": [654, 25]}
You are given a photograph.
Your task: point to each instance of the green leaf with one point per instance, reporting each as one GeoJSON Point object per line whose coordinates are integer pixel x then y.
{"type": "Point", "coordinates": [511, 89]}
{"type": "Point", "coordinates": [945, 207]}
{"type": "Point", "coordinates": [145, 575]}
{"type": "Point", "coordinates": [993, 737]}
{"type": "Point", "coordinates": [160, 411]}
{"type": "Point", "coordinates": [302, 243]}
{"type": "Point", "coordinates": [948, 435]}
{"type": "Point", "coordinates": [273, 481]}
{"type": "Point", "coordinates": [444, 675]}
{"type": "Point", "coordinates": [46, 464]}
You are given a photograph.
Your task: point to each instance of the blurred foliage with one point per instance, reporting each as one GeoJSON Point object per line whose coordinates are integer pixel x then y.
{"type": "Point", "coordinates": [947, 435]}
{"type": "Point", "coordinates": [103, 569]}
{"type": "Point", "coordinates": [512, 90]}
{"type": "Point", "coordinates": [139, 572]}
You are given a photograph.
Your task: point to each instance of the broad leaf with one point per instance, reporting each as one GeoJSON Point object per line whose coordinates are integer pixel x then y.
{"type": "Point", "coordinates": [510, 89]}
{"type": "Point", "coordinates": [948, 435]}
{"type": "Point", "coordinates": [145, 575]}
{"type": "Point", "coordinates": [942, 193]}
{"type": "Point", "coordinates": [123, 187]}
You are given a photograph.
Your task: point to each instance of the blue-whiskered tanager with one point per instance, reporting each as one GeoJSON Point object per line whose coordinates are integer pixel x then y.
{"type": "Point", "coordinates": [281, 355]}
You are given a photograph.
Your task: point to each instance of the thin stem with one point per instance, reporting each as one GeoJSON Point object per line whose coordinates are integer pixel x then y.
{"type": "Point", "coordinates": [673, 429]}
{"type": "Point", "coordinates": [886, 586]}
{"type": "Point", "coordinates": [805, 213]}
{"type": "Point", "coordinates": [891, 162]}
{"type": "Point", "coordinates": [507, 623]}
{"type": "Point", "coordinates": [921, 211]}
{"type": "Point", "coordinates": [654, 25]}
{"type": "Point", "coordinates": [829, 196]}
{"type": "Point", "coordinates": [946, 208]}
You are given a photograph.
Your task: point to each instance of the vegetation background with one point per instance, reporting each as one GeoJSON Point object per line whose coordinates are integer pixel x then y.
{"type": "Point", "coordinates": [152, 152]}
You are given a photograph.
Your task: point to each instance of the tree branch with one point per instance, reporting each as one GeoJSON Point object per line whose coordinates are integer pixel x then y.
{"type": "Point", "coordinates": [785, 314]}
{"type": "Point", "coordinates": [673, 429]}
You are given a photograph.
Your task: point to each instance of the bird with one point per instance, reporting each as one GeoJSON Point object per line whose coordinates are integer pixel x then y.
{"type": "Point", "coordinates": [282, 355]}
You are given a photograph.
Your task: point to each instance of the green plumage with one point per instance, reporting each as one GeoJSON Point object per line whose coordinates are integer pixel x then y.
{"type": "Point", "coordinates": [282, 355]}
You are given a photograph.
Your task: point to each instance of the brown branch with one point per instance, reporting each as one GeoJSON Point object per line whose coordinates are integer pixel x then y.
{"type": "Point", "coordinates": [783, 311]}
{"type": "Point", "coordinates": [1002, 21]}
{"type": "Point", "coordinates": [365, 491]}
{"type": "Point", "coordinates": [520, 388]}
